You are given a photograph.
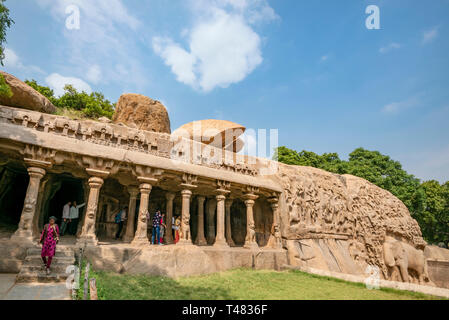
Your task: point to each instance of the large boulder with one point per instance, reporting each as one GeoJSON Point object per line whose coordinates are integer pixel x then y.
{"type": "Point", "coordinates": [218, 133]}
{"type": "Point", "coordinates": [143, 113]}
{"type": "Point", "coordinates": [25, 97]}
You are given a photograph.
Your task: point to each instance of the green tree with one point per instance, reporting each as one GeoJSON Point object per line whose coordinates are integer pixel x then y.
{"type": "Point", "coordinates": [5, 24]}
{"type": "Point", "coordinates": [428, 202]}
{"type": "Point", "coordinates": [92, 105]}
{"type": "Point", "coordinates": [5, 89]}
{"type": "Point", "coordinates": [45, 91]}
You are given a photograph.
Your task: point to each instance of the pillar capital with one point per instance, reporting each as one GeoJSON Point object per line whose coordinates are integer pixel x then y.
{"type": "Point", "coordinates": [95, 182]}
{"type": "Point", "coordinates": [250, 202]}
{"type": "Point", "coordinates": [229, 202]}
{"type": "Point", "coordinates": [147, 174]}
{"type": "Point", "coordinates": [36, 172]}
{"type": "Point", "coordinates": [170, 196]}
{"type": "Point", "coordinates": [145, 188]}
{"type": "Point", "coordinates": [32, 163]}
{"type": "Point", "coordinates": [133, 191]}
{"type": "Point", "coordinates": [220, 197]}
{"type": "Point", "coordinates": [98, 173]}
{"type": "Point", "coordinates": [274, 202]}
{"type": "Point", "coordinates": [201, 199]}
{"type": "Point", "coordinates": [186, 193]}
{"type": "Point", "coordinates": [189, 181]}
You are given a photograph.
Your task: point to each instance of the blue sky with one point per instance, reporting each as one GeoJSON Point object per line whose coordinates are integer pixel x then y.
{"type": "Point", "coordinates": [308, 68]}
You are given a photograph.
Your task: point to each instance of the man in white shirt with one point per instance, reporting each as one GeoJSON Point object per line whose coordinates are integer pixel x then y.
{"type": "Point", "coordinates": [74, 217]}
{"type": "Point", "coordinates": [65, 218]}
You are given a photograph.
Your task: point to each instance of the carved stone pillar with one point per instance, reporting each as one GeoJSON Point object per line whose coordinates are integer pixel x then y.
{"type": "Point", "coordinates": [141, 236]}
{"type": "Point", "coordinates": [88, 233]}
{"type": "Point", "coordinates": [168, 237]}
{"type": "Point", "coordinates": [220, 240]}
{"type": "Point", "coordinates": [275, 240]}
{"type": "Point", "coordinates": [36, 172]}
{"type": "Point", "coordinates": [200, 239]}
{"type": "Point", "coordinates": [130, 221]}
{"type": "Point", "coordinates": [211, 205]}
{"type": "Point", "coordinates": [250, 240]}
{"type": "Point", "coordinates": [188, 183]}
{"type": "Point", "coordinates": [185, 218]}
{"type": "Point", "coordinates": [147, 176]}
{"type": "Point", "coordinates": [229, 239]}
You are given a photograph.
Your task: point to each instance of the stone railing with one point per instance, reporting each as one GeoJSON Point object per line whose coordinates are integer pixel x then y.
{"type": "Point", "coordinates": [121, 136]}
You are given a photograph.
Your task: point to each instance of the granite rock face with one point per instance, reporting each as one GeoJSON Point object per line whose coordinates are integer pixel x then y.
{"type": "Point", "coordinates": [142, 113]}
{"type": "Point", "coordinates": [24, 96]}
{"type": "Point", "coordinates": [346, 224]}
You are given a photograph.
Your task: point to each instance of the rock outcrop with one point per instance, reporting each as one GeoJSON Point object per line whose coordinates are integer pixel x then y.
{"type": "Point", "coordinates": [346, 224]}
{"type": "Point", "coordinates": [221, 134]}
{"type": "Point", "coordinates": [143, 113]}
{"type": "Point", "coordinates": [24, 96]}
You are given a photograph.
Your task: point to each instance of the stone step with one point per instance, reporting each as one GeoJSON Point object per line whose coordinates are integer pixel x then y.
{"type": "Point", "coordinates": [56, 268]}
{"type": "Point", "coordinates": [60, 252]}
{"type": "Point", "coordinates": [37, 260]}
{"type": "Point", "coordinates": [40, 276]}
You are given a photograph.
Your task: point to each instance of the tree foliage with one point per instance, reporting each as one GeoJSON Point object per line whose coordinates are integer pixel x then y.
{"type": "Point", "coordinates": [92, 105]}
{"type": "Point", "coordinates": [5, 24]}
{"type": "Point", "coordinates": [428, 202]}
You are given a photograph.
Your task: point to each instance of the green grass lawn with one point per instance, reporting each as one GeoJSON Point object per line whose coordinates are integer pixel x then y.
{"type": "Point", "coordinates": [241, 284]}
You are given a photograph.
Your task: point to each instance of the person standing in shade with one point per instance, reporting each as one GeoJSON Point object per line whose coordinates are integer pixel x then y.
{"type": "Point", "coordinates": [65, 218]}
{"type": "Point", "coordinates": [74, 217]}
{"type": "Point", "coordinates": [49, 238]}
{"type": "Point", "coordinates": [163, 227]}
{"type": "Point", "coordinates": [156, 227]}
{"type": "Point", "coordinates": [120, 220]}
{"type": "Point", "coordinates": [177, 227]}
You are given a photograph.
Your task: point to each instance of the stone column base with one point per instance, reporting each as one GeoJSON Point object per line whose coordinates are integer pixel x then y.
{"type": "Point", "coordinates": [127, 239]}
{"type": "Point", "coordinates": [201, 242]}
{"type": "Point", "coordinates": [183, 242]}
{"type": "Point", "coordinates": [25, 237]}
{"type": "Point", "coordinates": [87, 241]}
{"type": "Point", "coordinates": [140, 242]}
{"type": "Point", "coordinates": [251, 245]}
{"type": "Point", "coordinates": [221, 244]}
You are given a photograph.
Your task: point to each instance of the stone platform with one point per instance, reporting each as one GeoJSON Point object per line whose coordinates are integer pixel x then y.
{"type": "Point", "coordinates": [181, 260]}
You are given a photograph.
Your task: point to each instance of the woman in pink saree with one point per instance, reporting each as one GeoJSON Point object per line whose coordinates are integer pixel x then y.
{"type": "Point", "coordinates": [49, 239]}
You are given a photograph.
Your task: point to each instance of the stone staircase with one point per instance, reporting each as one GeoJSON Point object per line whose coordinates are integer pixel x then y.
{"type": "Point", "coordinates": [33, 271]}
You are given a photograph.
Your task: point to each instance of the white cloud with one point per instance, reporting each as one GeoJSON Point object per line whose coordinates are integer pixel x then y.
{"type": "Point", "coordinates": [106, 39]}
{"type": "Point", "coordinates": [58, 82]}
{"type": "Point", "coordinates": [390, 47]}
{"type": "Point", "coordinates": [324, 58]}
{"type": "Point", "coordinates": [180, 61]}
{"type": "Point", "coordinates": [429, 35]}
{"type": "Point", "coordinates": [94, 74]}
{"type": "Point", "coordinates": [223, 47]}
{"type": "Point", "coordinates": [396, 107]}
{"type": "Point", "coordinates": [13, 61]}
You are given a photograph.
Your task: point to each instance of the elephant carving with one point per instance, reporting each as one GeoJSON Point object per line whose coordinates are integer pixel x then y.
{"type": "Point", "coordinates": [402, 256]}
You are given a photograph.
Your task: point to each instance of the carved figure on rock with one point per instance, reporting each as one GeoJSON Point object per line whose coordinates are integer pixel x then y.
{"type": "Point", "coordinates": [402, 256]}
